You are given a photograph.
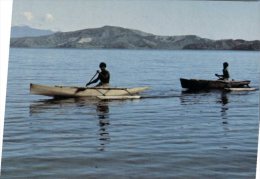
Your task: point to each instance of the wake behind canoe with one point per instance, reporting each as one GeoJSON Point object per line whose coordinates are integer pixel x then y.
{"type": "Point", "coordinates": [71, 91]}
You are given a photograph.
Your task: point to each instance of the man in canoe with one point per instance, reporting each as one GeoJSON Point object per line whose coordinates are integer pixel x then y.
{"type": "Point", "coordinates": [103, 76]}
{"type": "Point", "coordinates": [225, 75]}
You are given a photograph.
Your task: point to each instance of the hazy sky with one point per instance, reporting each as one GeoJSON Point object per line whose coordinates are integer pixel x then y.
{"type": "Point", "coordinates": [208, 19]}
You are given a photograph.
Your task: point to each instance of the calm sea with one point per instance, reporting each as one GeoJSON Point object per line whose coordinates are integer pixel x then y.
{"type": "Point", "coordinates": [167, 134]}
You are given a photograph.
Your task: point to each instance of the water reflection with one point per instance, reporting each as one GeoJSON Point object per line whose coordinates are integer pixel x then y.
{"type": "Point", "coordinates": [224, 107]}
{"type": "Point", "coordinates": [204, 97]}
{"type": "Point", "coordinates": [103, 116]}
{"type": "Point", "coordinates": [45, 105]}
{"type": "Point", "coordinates": [83, 107]}
{"type": "Point", "coordinates": [224, 98]}
{"type": "Point", "coordinates": [189, 97]}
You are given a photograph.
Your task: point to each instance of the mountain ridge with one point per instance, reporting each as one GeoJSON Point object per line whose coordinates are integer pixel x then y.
{"type": "Point", "coordinates": [26, 31]}
{"type": "Point", "coordinates": [112, 37]}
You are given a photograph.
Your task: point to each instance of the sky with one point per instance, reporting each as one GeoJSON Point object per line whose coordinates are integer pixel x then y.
{"type": "Point", "coordinates": [208, 19]}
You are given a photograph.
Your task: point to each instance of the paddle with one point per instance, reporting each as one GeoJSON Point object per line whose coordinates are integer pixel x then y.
{"type": "Point", "coordinates": [219, 76]}
{"type": "Point", "coordinates": [92, 78]}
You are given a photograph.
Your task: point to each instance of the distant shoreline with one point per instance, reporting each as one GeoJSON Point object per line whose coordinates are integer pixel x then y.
{"type": "Point", "coordinates": [111, 37]}
{"type": "Point", "coordinates": [255, 51]}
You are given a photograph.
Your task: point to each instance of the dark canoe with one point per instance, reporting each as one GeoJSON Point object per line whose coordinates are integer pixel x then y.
{"type": "Point", "coordinates": [198, 84]}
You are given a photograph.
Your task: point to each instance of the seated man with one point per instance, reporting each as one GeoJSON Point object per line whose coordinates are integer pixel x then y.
{"type": "Point", "coordinates": [225, 75]}
{"type": "Point", "coordinates": [103, 76]}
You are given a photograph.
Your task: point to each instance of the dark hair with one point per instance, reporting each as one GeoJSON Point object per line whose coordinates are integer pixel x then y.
{"type": "Point", "coordinates": [225, 64]}
{"type": "Point", "coordinates": [102, 64]}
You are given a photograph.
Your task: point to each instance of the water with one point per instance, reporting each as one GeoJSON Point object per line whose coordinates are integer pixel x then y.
{"type": "Point", "coordinates": [168, 134]}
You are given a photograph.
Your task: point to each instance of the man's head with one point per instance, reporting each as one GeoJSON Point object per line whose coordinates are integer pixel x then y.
{"type": "Point", "coordinates": [102, 65]}
{"type": "Point", "coordinates": [225, 64]}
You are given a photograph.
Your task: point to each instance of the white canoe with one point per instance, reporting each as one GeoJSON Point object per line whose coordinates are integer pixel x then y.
{"type": "Point", "coordinates": [70, 91]}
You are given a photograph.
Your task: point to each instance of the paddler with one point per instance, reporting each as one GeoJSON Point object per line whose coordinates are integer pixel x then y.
{"type": "Point", "coordinates": [225, 75]}
{"type": "Point", "coordinates": [103, 76]}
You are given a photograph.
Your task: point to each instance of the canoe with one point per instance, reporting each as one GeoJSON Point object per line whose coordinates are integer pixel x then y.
{"type": "Point", "coordinates": [71, 91]}
{"type": "Point", "coordinates": [198, 84]}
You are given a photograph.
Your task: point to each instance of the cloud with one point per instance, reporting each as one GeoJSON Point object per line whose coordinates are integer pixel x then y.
{"type": "Point", "coordinates": [49, 17]}
{"type": "Point", "coordinates": [28, 15]}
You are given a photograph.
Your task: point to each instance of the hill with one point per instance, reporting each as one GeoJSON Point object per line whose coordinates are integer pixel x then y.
{"type": "Point", "coordinates": [110, 37]}
{"type": "Point", "coordinates": [26, 31]}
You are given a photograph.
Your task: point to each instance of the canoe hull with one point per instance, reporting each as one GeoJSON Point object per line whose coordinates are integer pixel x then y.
{"type": "Point", "coordinates": [69, 91]}
{"type": "Point", "coordinates": [197, 84]}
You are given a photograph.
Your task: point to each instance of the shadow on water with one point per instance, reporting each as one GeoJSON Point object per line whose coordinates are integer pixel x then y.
{"type": "Point", "coordinates": [102, 112]}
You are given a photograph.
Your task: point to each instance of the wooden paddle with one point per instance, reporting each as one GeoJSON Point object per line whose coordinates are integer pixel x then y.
{"type": "Point", "coordinates": [92, 78]}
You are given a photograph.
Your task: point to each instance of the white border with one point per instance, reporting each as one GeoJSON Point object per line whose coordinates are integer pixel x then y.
{"type": "Point", "coordinates": [5, 26]}
{"type": "Point", "coordinates": [5, 30]}
{"type": "Point", "coordinates": [258, 157]}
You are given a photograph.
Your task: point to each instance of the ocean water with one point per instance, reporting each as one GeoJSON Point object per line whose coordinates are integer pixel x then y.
{"type": "Point", "coordinates": [168, 134]}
